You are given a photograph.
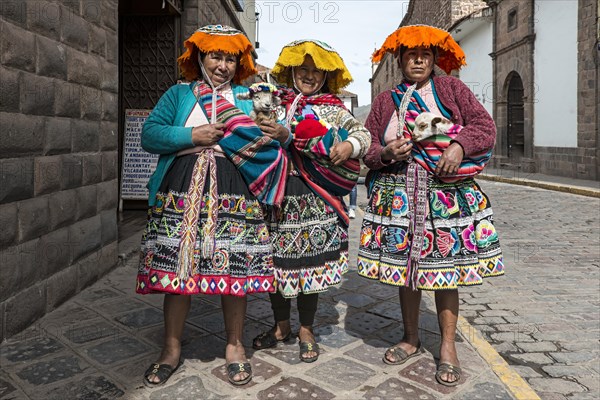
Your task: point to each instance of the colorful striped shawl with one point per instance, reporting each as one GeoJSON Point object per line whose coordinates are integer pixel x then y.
{"type": "Point", "coordinates": [260, 160]}
{"type": "Point", "coordinates": [288, 96]}
{"type": "Point", "coordinates": [315, 155]}
{"type": "Point", "coordinates": [427, 152]}
{"type": "Point", "coordinates": [311, 157]}
{"type": "Point", "coordinates": [301, 149]}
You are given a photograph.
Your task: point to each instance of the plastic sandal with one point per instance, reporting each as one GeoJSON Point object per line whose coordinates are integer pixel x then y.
{"type": "Point", "coordinates": [235, 368]}
{"type": "Point", "coordinates": [308, 347]}
{"type": "Point", "coordinates": [267, 340]}
{"type": "Point", "coordinates": [162, 371]}
{"type": "Point", "coordinates": [400, 355]}
{"type": "Point", "coordinates": [445, 368]}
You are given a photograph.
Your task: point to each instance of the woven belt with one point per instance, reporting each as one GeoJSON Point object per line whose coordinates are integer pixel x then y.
{"type": "Point", "coordinates": [205, 165]}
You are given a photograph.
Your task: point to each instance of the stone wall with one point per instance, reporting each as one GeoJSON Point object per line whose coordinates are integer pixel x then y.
{"type": "Point", "coordinates": [199, 13]}
{"type": "Point", "coordinates": [506, 36]}
{"type": "Point", "coordinates": [513, 53]}
{"type": "Point", "coordinates": [465, 7]}
{"type": "Point", "coordinates": [436, 13]}
{"type": "Point", "coordinates": [386, 76]}
{"type": "Point", "coordinates": [587, 165]}
{"type": "Point", "coordinates": [58, 153]}
{"type": "Point", "coordinates": [572, 162]}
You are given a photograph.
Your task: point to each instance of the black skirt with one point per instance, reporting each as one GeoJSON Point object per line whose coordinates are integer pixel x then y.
{"type": "Point", "coordinates": [310, 243]}
{"type": "Point", "coordinates": [242, 261]}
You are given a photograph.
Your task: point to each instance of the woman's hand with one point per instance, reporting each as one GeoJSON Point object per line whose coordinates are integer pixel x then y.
{"type": "Point", "coordinates": [274, 130]}
{"type": "Point", "coordinates": [450, 160]}
{"type": "Point", "coordinates": [398, 150]}
{"type": "Point", "coordinates": [207, 135]}
{"type": "Point", "coordinates": [340, 152]}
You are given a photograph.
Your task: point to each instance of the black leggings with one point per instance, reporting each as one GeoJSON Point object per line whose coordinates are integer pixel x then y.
{"type": "Point", "coordinates": [307, 307]}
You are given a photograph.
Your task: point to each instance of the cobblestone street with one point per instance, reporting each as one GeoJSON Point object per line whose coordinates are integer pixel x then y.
{"type": "Point", "coordinates": [99, 344]}
{"type": "Point", "coordinates": [542, 317]}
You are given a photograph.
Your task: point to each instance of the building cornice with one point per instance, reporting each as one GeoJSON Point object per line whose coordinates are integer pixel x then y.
{"type": "Point", "coordinates": [481, 14]}
{"type": "Point", "coordinates": [526, 40]}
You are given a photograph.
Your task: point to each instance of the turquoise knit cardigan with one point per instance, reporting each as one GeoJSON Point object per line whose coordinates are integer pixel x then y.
{"type": "Point", "coordinates": [164, 132]}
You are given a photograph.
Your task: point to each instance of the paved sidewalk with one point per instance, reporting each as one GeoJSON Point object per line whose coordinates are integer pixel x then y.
{"type": "Point", "coordinates": [542, 317]}
{"type": "Point", "coordinates": [98, 344]}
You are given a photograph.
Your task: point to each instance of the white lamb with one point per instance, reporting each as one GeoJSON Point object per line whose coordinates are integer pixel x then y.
{"type": "Point", "coordinates": [428, 124]}
{"type": "Point", "coordinates": [265, 101]}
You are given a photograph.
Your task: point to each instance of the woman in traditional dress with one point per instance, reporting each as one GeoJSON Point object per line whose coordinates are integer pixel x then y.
{"type": "Point", "coordinates": [310, 231]}
{"type": "Point", "coordinates": [206, 232]}
{"type": "Point", "coordinates": [428, 224]}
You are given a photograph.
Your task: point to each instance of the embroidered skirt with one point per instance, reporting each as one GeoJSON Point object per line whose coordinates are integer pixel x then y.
{"type": "Point", "coordinates": [461, 245]}
{"type": "Point", "coordinates": [242, 261]}
{"type": "Point", "coordinates": [310, 244]}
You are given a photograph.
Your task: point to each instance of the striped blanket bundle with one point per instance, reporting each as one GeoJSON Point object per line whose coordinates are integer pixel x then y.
{"type": "Point", "coordinates": [427, 152]}
{"type": "Point", "coordinates": [313, 139]}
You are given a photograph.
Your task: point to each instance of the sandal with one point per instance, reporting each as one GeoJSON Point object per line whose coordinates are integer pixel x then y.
{"type": "Point", "coordinates": [267, 340]}
{"type": "Point", "coordinates": [162, 371]}
{"type": "Point", "coordinates": [237, 367]}
{"type": "Point", "coordinates": [445, 368]}
{"type": "Point", "coordinates": [308, 347]}
{"type": "Point", "coordinates": [400, 355]}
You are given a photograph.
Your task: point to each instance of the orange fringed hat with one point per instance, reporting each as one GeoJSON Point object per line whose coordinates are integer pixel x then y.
{"type": "Point", "coordinates": [217, 38]}
{"type": "Point", "coordinates": [450, 55]}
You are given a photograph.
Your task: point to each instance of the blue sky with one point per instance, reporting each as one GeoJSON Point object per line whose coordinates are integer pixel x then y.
{"type": "Point", "coordinates": [354, 28]}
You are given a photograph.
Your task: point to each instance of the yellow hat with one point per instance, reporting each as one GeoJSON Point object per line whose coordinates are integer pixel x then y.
{"type": "Point", "coordinates": [324, 56]}
{"type": "Point", "coordinates": [211, 38]}
{"type": "Point", "coordinates": [450, 55]}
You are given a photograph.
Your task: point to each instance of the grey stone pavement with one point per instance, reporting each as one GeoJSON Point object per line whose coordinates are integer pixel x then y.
{"type": "Point", "coordinates": [542, 317]}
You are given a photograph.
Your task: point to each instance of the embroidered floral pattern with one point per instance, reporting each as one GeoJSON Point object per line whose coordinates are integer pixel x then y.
{"type": "Point", "coordinates": [481, 200]}
{"type": "Point", "coordinates": [460, 246]}
{"type": "Point", "coordinates": [447, 242]}
{"type": "Point", "coordinates": [427, 244]}
{"type": "Point", "coordinates": [438, 205]}
{"type": "Point", "coordinates": [486, 234]}
{"type": "Point", "coordinates": [468, 237]}
{"type": "Point", "coordinates": [400, 204]}
{"type": "Point", "coordinates": [365, 235]}
{"type": "Point", "coordinates": [397, 239]}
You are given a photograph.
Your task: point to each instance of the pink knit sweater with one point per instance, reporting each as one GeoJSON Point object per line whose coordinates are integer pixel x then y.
{"type": "Point", "coordinates": [478, 133]}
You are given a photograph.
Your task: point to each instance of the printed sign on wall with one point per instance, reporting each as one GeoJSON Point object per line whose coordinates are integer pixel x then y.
{"type": "Point", "coordinates": [138, 164]}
